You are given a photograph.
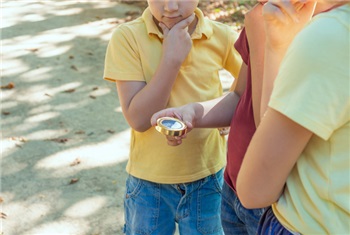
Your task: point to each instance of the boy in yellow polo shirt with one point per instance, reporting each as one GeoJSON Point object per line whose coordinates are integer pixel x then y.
{"type": "Point", "coordinates": [169, 57]}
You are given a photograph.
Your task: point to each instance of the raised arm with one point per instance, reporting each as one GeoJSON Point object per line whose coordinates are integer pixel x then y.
{"type": "Point", "coordinates": [139, 100]}
{"type": "Point", "coordinates": [254, 26]}
{"type": "Point", "coordinates": [278, 141]}
{"type": "Point", "coordinates": [281, 26]}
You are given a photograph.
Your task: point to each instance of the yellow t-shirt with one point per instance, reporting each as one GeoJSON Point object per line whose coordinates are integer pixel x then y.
{"type": "Point", "coordinates": [312, 89]}
{"type": "Point", "coordinates": [133, 54]}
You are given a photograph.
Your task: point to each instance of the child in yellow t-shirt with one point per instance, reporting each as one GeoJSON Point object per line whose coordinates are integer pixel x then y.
{"type": "Point", "coordinates": [169, 57]}
{"type": "Point", "coordinates": [298, 159]}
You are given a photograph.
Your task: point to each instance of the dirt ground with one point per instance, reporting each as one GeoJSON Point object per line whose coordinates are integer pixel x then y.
{"type": "Point", "coordinates": [64, 141]}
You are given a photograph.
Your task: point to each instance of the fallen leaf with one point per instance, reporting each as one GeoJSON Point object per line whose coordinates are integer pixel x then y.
{"type": "Point", "coordinates": [6, 113]}
{"type": "Point", "coordinates": [33, 49]}
{"type": "Point", "coordinates": [48, 95]}
{"type": "Point", "coordinates": [111, 131]}
{"type": "Point", "coordinates": [59, 140]}
{"type": "Point", "coordinates": [95, 88]}
{"type": "Point", "coordinates": [69, 91]}
{"type": "Point", "coordinates": [92, 97]}
{"type": "Point", "coordinates": [73, 181]}
{"type": "Point", "coordinates": [3, 215]}
{"type": "Point", "coordinates": [71, 57]}
{"type": "Point", "coordinates": [9, 86]}
{"type": "Point", "coordinates": [16, 138]}
{"type": "Point", "coordinates": [1, 200]}
{"type": "Point", "coordinates": [76, 162]}
{"type": "Point", "coordinates": [74, 68]}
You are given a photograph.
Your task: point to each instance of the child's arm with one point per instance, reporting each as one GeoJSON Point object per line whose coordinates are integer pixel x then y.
{"type": "Point", "coordinates": [280, 27]}
{"type": "Point", "coordinates": [209, 114]}
{"type": "Point", "coordinates": [278, 141]}
{"type": "Point", "coordinates": [140, 100]}
{"type": "Point", "coordinates": [271, 155]}
{"type": "Point", "coordinates": [254, 26]}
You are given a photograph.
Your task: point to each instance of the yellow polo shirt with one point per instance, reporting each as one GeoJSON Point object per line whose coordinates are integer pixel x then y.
{"type": "Point", "coordinates": [312, 89]}
{"type": "Point", "coordinates": [133, 54]}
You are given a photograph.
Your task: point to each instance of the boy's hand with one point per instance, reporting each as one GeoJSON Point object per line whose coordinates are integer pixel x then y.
{"type": "Point", "coordinates": [177, 41]}
{"type": "Point", "coordinates": [284, 19]}
{"type": "Point", "coordinates": [184, 113]}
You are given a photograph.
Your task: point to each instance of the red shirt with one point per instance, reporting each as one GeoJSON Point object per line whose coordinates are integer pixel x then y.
{"type": "Point", "coordinates": [242, 125]}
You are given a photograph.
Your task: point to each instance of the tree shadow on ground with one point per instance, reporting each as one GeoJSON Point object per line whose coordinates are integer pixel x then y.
{"type": "Point", "coordinates": [65, 141]}
{"type": "Point", "coordinates": [64, 138]}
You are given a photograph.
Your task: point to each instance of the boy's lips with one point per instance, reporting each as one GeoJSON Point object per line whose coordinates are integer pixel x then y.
{"type": "Point", "coordinates": [171, 17]}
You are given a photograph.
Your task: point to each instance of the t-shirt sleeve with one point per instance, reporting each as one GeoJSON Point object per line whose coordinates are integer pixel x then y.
{"type": "Point", "coordinates": [122, 60]}
{"type": "Point", "coordinates": [233, 61]}
{"type": "Point", "coordinates": [312, 87]}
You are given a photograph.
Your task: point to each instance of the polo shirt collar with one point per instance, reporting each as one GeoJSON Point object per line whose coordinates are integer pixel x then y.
{"type": "Point", "coordinates": [201, 30]}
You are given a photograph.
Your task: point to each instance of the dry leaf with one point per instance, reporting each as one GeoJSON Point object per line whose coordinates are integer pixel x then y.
{"type": "Point", "coordinates": [5, 113]}
{"type": "Point", "coordinates": [71, 57]}
{"type": "Point", "coordinates": [3, 215]}
{"type": "Point", "coordinates": [21, 139]}
{"type": "Point", "coordinates": [76, 162]}
{"type": "Point", "coordinates": [69, 91]}
{"type": "Point", "coordinates": [80, 132]}
{"type": "Point", "coordinates": [11, 85]}
{"type": "Point", "coordinates": [33, 49]}
{"type": "Point", "coordinates": [111, 131]}
{"type": "Point", "coordinates": [95, 88]}
{"type": "Point", "coordinates": [92, 97]}
{"type": "Point", "coordinates": [59, 140]}
{"type": "Point", "coordinates": [73, 181]}
{"type": "Point", "coordinates": [1, 200]}
{"type": "Point", "coordinates": [74, 68]}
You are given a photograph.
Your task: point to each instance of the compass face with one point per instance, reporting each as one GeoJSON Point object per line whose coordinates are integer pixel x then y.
{"type": "Point", "coordinates": [171, 126]}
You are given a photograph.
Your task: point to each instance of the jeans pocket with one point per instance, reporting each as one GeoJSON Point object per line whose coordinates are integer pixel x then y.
{"type": "Point", "coordinates": [209, 205]}
{"type": "Point", "coordinates": [141, 206]}
{"type": "Point", "coordinates": [219, 180]}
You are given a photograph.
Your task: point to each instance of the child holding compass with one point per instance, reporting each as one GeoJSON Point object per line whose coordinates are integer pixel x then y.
{"type": "Point", "coordinates": [168, 57]}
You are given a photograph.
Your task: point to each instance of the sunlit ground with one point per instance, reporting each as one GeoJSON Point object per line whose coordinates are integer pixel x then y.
{"type": "Point", "coordinates": [64, 141]}
{"type": "Point", "coordinates": [58, 113]}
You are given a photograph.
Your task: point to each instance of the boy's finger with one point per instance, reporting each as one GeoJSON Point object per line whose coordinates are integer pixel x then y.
{"type": "Point", "coordinates": [164, 29]}
{"type": "Point", "coordinates": [272, 12]}
{"type": "Point", "coordinates": [185, 22]}
{"type": "Point", "coordinates": [287, 7]}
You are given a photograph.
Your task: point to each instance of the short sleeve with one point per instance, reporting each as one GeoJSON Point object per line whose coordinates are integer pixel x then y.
{"type": "Point", "coordinates": [122, 60]}
{"type": "Point", "coordinates": [233, 61]}
{"type": "Point", "coordinates": [312, 87]}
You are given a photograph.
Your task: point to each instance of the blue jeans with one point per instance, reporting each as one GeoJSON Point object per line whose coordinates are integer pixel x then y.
{"type": "Point", "coordinates": [152, 208]}
{"type": "Point", "coordinates": [235, 218]}
{"type": "Point", "coordinates": [269, 225]}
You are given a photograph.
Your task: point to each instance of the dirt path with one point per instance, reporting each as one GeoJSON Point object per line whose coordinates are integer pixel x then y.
{"type": "Point", "coordinates": [64, 142]}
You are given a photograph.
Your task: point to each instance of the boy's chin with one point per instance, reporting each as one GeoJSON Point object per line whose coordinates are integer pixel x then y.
{"type": "Point", "coordinates": [169, 25]}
